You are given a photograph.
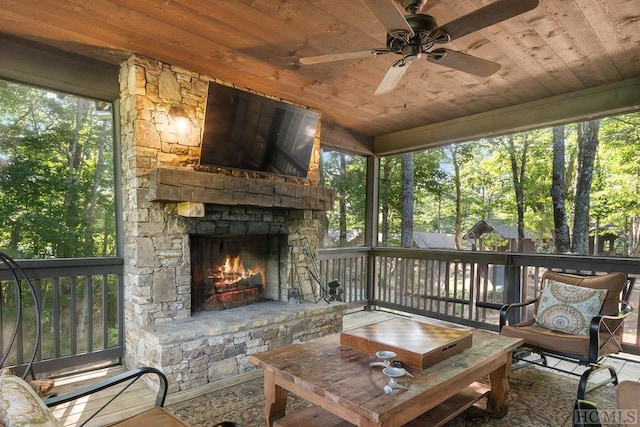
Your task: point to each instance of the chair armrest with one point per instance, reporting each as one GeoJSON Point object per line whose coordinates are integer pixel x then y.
{"type": "Point", "coordinates": [131, 376]}
{"type": "Point", "coordinates": [626, 308]}
{"type": "Point", "coordinates": [504, 310]}
{"type": "Point", "coordinates": [598, 321]}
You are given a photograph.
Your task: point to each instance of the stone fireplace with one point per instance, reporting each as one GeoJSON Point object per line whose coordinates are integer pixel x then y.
{"type": "Point", "coordinates": [174, 211]}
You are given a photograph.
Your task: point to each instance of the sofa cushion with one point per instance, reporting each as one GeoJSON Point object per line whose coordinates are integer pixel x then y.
{"type": "Point", "coordinates": [20, 405]}
{"type": "Point", "coordinates": [568, 308]}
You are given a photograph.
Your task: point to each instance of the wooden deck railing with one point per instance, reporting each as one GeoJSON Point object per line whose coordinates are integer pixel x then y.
{"type": "Point", "coordinates": [448, 285]}
{"type": "Point", "coordinates": [80, 310]}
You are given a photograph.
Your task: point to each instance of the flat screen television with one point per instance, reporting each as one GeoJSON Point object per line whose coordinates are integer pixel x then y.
{"type": "Point", "coordinates": [254, 133]}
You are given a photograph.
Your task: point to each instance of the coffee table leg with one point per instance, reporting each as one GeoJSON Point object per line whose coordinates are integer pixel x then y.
{"type": "Point", "coordinates": [275, 399]}
{"type": "Point", "coordinates": [499, 380]}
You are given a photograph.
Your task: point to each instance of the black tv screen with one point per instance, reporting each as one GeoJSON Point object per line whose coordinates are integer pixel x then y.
{"type": "Point", "coordinates": [250, 132]}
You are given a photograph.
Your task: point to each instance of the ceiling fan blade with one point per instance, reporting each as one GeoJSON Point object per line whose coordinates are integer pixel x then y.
{"type": "Point", "coordinates": [342, 56]}
{"type": "Point", "coordinates": [486, 16]}
{"type": "Point", "coordinates": [392, 78]}
{"type": "Point", "coordinates": [389, 16]}
{"type": "Point", "coordinates": [463, 62]}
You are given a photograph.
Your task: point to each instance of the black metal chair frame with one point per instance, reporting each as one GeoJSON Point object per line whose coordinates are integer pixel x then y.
{"type": "Point", "coordinates": [20, 278]}
{"type": "Point", "coordinates": [131, 376]}
{"type": "Point", "coordinates": [592, 361]}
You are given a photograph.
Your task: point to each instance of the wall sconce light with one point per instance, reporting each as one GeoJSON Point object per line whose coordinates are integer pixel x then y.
{"type": "Point", "coordinates": [180, 119]}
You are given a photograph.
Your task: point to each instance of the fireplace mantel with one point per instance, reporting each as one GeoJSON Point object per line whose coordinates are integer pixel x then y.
{"type": "Point", "coordinates": [187, 185]}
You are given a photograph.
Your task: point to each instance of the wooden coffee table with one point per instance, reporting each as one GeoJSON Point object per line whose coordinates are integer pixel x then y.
{"type": "Point", "coordinates": [340, 382]}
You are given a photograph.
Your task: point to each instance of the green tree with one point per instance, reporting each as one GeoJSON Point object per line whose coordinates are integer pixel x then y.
{"type": "Point", "coordinates": [56, 188]}
{"type": "Point", "coordinates": [615, 195]}
{"type": "Point", "coordinates": [407, 193]}
{"type": "Point", "coordinates": [346, 174]}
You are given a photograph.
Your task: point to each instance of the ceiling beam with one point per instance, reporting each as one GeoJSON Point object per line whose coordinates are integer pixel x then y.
{"type": "Point", "coordinates": [335, 137]}
{"type": "Point", "coordinates": [613, 98]}
{"type": "Point", "coordinates": [43, 66]}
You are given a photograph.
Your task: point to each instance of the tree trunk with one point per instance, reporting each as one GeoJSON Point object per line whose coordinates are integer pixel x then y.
{"type": "Point", "coordinates": [342, 201]}
{"type": "Point", "coordinates": [587, 147]}
{"type": "Point", "coordinates": [406, 235]}
{"type": "Point", "coordinates": [558, 193]}
{"type": "Point", "coordinates": [456, 182]}
{"type": "Point", "coordinates": [90, 217]}
{"type": "Point", "coordinates": [517, 175]}
{"type": "Point", "coordinates": [384, 203]}
{"type": "Point", "coordinates": [635, 237]}
{"type": "Point", "coordinates": [71, 210]}
{"type": "Point", "coordinates": [83, 323]}
{"type": "Point", "coordinates": [323, 217]}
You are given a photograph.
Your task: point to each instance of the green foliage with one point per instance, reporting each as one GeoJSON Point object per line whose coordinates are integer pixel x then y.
{"type": "Point", "coordinates": [56, 181]}
{"type": "Point", "coordinates": [346, 174]}
{"type": "Point", "coordinates": [487, 187]}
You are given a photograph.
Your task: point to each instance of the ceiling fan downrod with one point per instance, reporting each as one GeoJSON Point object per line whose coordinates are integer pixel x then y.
{"type": "Point", "coordinates": [413, 6]}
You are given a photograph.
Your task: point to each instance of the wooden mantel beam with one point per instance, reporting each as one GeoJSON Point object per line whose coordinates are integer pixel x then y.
{"type": "Point", "coordinates": [192, 188]}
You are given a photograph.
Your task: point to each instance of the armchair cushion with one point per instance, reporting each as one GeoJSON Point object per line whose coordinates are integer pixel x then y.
{"type": "Point", "coordinates": [556, 341]}
{"type": "Point", "coordinates": [568, 308]}
{"type": "Point", "coordinates": [612, 282]}
{"type": "Point", "coordinates": [20, 405]}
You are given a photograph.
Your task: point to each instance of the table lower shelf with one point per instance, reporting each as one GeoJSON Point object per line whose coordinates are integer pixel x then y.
{"type": "Point", "coordinates": [315, 416]}
{"type": "Point", "coordinates": [452, 407]}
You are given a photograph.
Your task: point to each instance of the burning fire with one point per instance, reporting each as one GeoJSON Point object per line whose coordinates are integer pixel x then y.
{"type": "Point", "coordinates": [231, 271]}
{"type": "Point", "coordinates": [233, 268]}
{"type": "Point", "coordinates": [234, 284]}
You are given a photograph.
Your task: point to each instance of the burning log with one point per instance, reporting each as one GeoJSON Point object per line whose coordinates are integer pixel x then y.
{"type": "Point", "coordinates": [221, 285]}
{"type": "Point", "coordinates": [231, 285]}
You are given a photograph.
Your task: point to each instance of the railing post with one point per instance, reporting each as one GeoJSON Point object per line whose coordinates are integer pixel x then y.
{"type": "Point", "coordinates": [512, 287]}
{"type": "Point", "coordinates": [371, 223]}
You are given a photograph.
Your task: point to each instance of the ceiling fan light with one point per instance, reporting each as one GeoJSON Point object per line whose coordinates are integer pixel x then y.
{"type": "Point", "coordinates": [412, 58]}
{"type": "Point", "coordinates": [411, 52]}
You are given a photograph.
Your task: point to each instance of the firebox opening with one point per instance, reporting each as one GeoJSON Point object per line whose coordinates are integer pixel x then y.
{"type": "Point", "coordinates": [231, 271]}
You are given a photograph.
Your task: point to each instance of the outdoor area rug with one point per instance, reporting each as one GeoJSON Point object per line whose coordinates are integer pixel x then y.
{"type": "Point", "coordinates": [537, 397]}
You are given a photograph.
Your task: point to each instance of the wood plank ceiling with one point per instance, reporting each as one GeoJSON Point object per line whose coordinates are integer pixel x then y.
{"type": "Point", "coordinates": [560, 47]}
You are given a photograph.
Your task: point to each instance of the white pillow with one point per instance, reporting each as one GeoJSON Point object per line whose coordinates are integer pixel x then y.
{"type": "Point", "coordinates": [568, 308]}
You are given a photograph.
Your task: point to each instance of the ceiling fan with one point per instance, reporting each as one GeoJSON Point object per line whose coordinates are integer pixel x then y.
{"type": "Point", "coordinates": [415, 34]}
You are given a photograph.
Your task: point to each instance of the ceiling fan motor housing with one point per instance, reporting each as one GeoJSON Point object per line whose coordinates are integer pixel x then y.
{"type": "Point", "coordinates": [422, 25]}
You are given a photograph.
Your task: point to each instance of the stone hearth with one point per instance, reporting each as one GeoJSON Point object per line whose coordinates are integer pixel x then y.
{"type": "Point", "coordinates": [166, 199]}
{"type": "Point", "coordinates": [217, 344]}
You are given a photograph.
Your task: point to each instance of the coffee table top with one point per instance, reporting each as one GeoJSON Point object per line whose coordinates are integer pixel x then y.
{"type": "Point", "coordinates": [341, 376]}
{"type": "Point", "coordinates": [406, 334]}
